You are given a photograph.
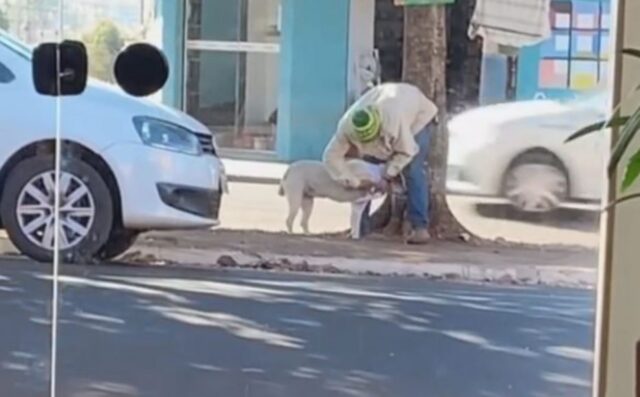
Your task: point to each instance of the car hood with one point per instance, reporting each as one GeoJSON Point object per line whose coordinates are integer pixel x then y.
{"type": "Point", "coordinates": [112, 97]}
{"type": "Point", "coordinates": [507, 112]}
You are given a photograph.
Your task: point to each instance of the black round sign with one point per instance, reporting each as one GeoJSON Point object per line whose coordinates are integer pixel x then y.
{"type": "Point", "coordinates": [141, 69]}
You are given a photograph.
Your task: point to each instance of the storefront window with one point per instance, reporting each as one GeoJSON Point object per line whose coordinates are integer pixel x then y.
{"type": "Point", "coordinates": [232, 70]}
{"type": "Point", "coordinates": [234, 20]}
{"type": "Point", "coordinates": [235, 94]}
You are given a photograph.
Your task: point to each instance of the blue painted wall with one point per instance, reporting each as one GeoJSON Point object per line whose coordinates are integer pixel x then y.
{"type": "Point", "coordinates": [313, 75]}
{"type": "Point", "coordinates": [528, 77]}
{"type": "Point", "coordinates": [172, 14]}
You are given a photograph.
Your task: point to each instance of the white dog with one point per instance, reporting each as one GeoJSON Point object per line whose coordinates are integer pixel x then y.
{"type": "Point", "coordinates": [306, 180]}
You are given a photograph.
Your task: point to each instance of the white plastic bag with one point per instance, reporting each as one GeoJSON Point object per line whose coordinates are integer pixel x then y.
{"type": "Point", "coordinates": [360, 208]}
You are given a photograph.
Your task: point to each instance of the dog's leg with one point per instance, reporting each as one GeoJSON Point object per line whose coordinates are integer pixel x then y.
{"type": "Point", "coordinates": [307, 209]}
{"type": "Point", "coordinates": [295, 201]}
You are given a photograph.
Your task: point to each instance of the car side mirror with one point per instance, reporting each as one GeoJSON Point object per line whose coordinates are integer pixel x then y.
{"type": "Point", "coordinates": [67, 78]}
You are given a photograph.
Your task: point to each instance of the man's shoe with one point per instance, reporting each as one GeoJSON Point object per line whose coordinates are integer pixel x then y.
{"type": "Point", "coordinates": [419, 237]}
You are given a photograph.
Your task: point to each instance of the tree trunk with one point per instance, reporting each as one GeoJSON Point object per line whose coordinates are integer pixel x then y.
{"type": "Point", "coordinates": [424, 65]}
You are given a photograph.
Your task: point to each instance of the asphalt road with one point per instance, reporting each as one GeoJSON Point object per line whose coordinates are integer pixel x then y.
{"type": "Point", "coordinates": [166, 333]}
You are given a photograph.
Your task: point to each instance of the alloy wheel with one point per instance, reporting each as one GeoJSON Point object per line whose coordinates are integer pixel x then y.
{"type": "Point", "coordinates": [35, 210]}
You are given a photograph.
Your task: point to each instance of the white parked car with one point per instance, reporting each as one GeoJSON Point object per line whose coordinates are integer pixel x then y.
{"type": "Point", "coordinates": [518, 151]}
{"type": "Point", "coordinates": [128, 165]}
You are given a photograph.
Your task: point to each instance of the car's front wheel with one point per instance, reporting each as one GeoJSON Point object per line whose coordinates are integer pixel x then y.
{"type": "Point", "coordinates": [536, 182]}
{"type": "Point", "coordinates": [86, 209]}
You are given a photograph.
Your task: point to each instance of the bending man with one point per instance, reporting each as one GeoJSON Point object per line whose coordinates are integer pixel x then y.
{"type": "Point", "coordinates": [391, 123]}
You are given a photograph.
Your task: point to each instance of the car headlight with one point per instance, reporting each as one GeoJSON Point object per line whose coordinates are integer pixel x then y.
{"type": "Point", "coordinates": [164, 135]}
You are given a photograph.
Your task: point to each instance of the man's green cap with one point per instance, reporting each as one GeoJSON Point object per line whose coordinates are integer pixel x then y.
{"type": "Point", "coordinates": [366, 124]}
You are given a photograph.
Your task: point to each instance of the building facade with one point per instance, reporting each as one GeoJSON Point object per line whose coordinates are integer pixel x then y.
{"type": "Point", "coordinates": [270, 77]}
{"type": "Point", "coordinates": [572, 61]}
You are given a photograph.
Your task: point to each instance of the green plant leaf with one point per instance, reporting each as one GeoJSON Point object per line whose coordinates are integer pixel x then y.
{"type": "Point", "coordinates": [626, 136]}
{"type": "Point", "coordinates": [586, 131]}
{"type": "Point", "coordinates": [616, 121]}
{"type": "Point", "coordinates": [632, 51]}
{"type": "Point", "coordinates": [632, 172]}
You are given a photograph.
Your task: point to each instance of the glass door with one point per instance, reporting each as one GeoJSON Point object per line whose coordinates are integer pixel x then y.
{"type": "Point", "coordinates": [232, 70]}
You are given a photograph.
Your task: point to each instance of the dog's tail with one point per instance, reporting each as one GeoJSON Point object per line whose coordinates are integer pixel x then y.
{"type": "Point", "coordinates": [281, 191]}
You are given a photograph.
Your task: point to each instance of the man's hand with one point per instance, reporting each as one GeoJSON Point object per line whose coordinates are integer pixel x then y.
{"type": "Point", "coordinates": [383, 185]}
{"type": "Point", "coordinates": [366, 185]}
{"type": "Point", "coordinates": [371, 186]}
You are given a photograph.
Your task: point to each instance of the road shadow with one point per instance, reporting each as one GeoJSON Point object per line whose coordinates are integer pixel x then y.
{"type": "Point", "coordinates": [243, 333]}
{"type": "Point", "coordinates": [25, 312]}
{"type": "Point", "coordinates": [562, 218]}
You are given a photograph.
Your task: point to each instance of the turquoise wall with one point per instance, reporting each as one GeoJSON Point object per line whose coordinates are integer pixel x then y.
{"type": "Point", "coordinates": [172, 14]}
{"type": "Point", "coordinates": [313, 75]}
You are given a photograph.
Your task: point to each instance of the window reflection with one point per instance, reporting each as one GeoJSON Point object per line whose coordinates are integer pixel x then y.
{"type": "Point", "coordinates": [232, 70]}
{"type": "Point", "coordinates": [192, 271]}
{"type": "Point", "coordinates": [235, 94]}
{"type": "Point", "coordinates": [25, 286]}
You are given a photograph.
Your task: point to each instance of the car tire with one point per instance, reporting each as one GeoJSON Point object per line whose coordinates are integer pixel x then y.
{"type": "Point", "coordinates": [86, 215]}
{"type": "Point", "coordinates": [119, 242]}
{"type": "Point", "coordinates": [536, 182]}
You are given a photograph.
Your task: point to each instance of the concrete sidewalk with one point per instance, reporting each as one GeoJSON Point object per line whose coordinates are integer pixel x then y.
{"type": "Point", "coordinates": [490, 262]}
{"type": "Point", "coordinates": [257, 206]}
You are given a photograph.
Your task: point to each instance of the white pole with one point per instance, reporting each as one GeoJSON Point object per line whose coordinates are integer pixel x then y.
{"type": "Point", "coordinates": [56, 212]}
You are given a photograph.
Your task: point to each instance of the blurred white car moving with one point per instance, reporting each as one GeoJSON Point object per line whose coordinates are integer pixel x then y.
{"type": "Point", "coordinates": [129, 165]}
{"type": "Point", "coordinates": [517, 151]}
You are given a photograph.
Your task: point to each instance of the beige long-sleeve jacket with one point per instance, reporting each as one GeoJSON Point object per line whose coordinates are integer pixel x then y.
{"type": "Point", "coordinates": [404, 111]}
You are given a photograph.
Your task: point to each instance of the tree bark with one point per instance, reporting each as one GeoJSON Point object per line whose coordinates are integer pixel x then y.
{"type": "Point", "coordinates": [424, 65]}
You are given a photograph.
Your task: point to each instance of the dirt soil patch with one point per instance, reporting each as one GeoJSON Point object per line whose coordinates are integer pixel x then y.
{"type": "Point", "coordinates": [373, 248]}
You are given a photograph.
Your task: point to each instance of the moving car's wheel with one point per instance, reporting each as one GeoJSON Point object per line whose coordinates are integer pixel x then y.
{"type": "Point", "coordinates": [27, 209]}
{"type": "Point", "coordinates": [536, 182]}
{"type": "Point", "coordinates": [119, 242]}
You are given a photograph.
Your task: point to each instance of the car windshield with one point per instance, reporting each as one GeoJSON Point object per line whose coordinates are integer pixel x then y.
{"type": "Point", "coordinates": [15, 45]}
